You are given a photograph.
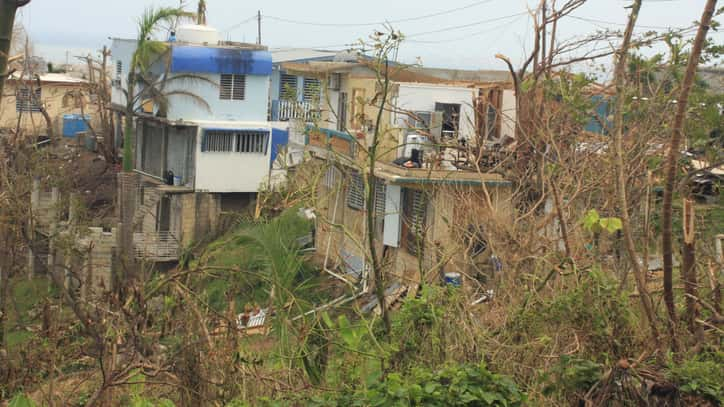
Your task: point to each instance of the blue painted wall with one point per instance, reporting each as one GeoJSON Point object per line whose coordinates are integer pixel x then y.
{"type": "Point", "coordinates": [194, 59]}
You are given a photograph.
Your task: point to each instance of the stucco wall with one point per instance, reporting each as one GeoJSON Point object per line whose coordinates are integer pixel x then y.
{"type": "Point", "coordinates": [231, 171]}
{"type": "Point", "coordinates": [52, 98]}
{"type": "Point", "coordinates": [422, 97]}
{"type": "Point", "coordinates": [252, 108]}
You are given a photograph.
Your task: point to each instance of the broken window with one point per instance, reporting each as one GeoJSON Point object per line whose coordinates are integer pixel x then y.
{"type": "Point", "coordinates": [356, 191]}
{"type": "Point", "coordinates": [450, 118]}
{"type": "Point", "coordinates": [27, 100]}
{"type": "Point", "coordinates": [342, 112]}
{"type": "Point", "coordinates": [414, 208]}
{"type": "Point", "coordinates": [288, 87]}
{"type": "Point", "coordinates": [232, 87]}
{"type": "Point", "coordinates": [488, 113]}
{"type": "Point", "coordinates": [235, 141]}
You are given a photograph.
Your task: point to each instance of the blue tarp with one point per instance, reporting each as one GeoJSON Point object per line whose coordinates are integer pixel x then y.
{"type": "Point", "coordinates": [194, 59]}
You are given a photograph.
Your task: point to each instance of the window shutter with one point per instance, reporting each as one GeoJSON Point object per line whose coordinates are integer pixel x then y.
{"type": "Point", "coordinates": [356, 191]}
{"type": "Point", "coordinates": [288, 87]}
{"type": "Point", "coordinates": [225, 87]}
{"type": "Point", "coordinates": [239, 87]}
{"type": "Point", "coordinates": [119, 69]}
{"type": "Point", "coordinates": [380, 192]}
{"type": "Point", "coordinates": [311, 90]}
{"type": "Point", "coordinates": [331, 177]}
{"type": "Point", "coordinates": [415, 210]}
{"type": "Point", "coordinates": [393, 201]}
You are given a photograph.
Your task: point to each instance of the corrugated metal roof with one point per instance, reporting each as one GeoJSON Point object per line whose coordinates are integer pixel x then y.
{"type": "Point", "coordinates": [51, 77]}
{"type": "Point", "coordinates": [301, 54]}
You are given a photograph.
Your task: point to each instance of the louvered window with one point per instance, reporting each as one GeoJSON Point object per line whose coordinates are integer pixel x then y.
{"type": "Point", "coordinates": [288, 87]}
{"type": "Point", "coordinates": [380, 192]}
{"type": "Point", "coordinates": [356, 192]}
{"type": "Point", "coordinates": [311, 90]}
{"type": "Point", "coordinates": [25, 101]}
{"type": "Point", "coordinates": [236, 141]}
{"type": "Point", "coordinates": [232, 87]}
{"type": "Point", "coordinates": [119, 69]}
{"type": "Point", "coordinates": [414, 210]}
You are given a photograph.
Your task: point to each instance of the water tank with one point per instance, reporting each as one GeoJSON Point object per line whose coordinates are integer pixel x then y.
{"type": "Point", "coordinates": [197, 34]}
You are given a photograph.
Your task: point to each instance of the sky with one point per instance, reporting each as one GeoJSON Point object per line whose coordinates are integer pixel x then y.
{"type": "Point", "coordinates": [464, 34]}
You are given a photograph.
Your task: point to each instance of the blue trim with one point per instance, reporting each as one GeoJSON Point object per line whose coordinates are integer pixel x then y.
{"type": "Point", "coordinates": [194, 59]}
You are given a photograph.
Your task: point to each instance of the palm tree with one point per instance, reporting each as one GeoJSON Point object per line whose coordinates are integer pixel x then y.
{"type": "Point", "coordinates": [147, 51]}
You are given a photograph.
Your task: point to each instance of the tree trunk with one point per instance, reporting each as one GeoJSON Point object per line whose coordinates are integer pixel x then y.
{"type": "Point", "coordinates": [7, 22]}
{"type": "Point", "coordinates": [370, 210]}
{"type": "Point", "coordinates": [672, 156]}
{"type": "Point", "coordinates": [620, 72]}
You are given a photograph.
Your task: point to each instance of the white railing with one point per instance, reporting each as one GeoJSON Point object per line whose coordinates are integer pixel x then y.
{"type": "Point", "coordinates": [291, 109]}
{"type": "Point", "coordinates": [156, 246]}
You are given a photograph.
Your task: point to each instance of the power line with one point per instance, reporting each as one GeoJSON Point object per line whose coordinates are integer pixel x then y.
{"type": "Point", "coordinates": [457, 27]}
{"type": "Point", "coordinates": [401, 20]}
{"type": "Point", "coordinates": [594, 20]}
{"type": "Point", "coordinates": [463, 37]}
{"type": "Point", "coordinates": [239, 24]}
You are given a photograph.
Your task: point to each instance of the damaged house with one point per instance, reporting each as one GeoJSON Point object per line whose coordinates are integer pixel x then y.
{"type": "Point", "coordinates": [431, 203]}
{"type": "Point", "coordinates": [206, 151]}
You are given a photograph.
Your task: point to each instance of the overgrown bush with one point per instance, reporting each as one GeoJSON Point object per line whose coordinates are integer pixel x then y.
{"type": "Point", "coordinates": [457, 385]}
{"type": "Point", "coordinates": [701, 376]}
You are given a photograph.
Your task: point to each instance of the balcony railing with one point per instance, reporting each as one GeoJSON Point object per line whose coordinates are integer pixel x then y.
{"type": "Point", "coordinates": [284, 110]}
{"type": "Point", "coordinates": [156, 246]}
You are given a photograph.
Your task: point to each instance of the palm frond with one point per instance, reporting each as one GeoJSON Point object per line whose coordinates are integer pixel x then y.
{"type": "Point", "coordinates": [150, 21]}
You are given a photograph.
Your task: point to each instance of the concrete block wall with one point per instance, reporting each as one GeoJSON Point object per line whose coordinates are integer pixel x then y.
{"type": "Point", "coordinates": [97, 267]}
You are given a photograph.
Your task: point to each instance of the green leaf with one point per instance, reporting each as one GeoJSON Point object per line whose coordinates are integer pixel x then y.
{"type": "Point", "coordinates": [611, 225]}
{"type": "Point", "coordinates": [591, 219]}
{"type": "Point", "coordinates": [20, 400]}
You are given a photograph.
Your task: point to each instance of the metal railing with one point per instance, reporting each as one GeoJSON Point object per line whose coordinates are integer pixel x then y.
{"type": "Point", "coordinates": [292, 109]}
{"type": "Point", "coordinates": [156, 246]}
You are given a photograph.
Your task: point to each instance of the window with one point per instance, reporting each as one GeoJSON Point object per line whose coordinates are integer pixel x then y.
{"type": "Point", "coordinates": [119, 69]}
{"type": "Point", "coordinates": [331, 177]}
{"type": "Point", "coordinates": [450, 118]}
{"type": "Point", "coordinates": [288, 87]}
{"type": "Point", "coordinates": [232, 87]}
{"type": "Point", "coordinates": [26, 101]}
{"type": "Point", "coordinates": [311, 90]}
{"type": "Point", "coordinates": [358, 104]}
{"type": "Point", "coordinates": [487, 114]}
{"type": "Point", "coordinates": [342, 112]}
{"type": "Point", "coordinates": [356, 192]}
{"type": "Point", "coordinates": [414, 208]}
{"type": "Point", "coordinates": [380, 192]}
{"type": "Point", "coordinates": [235, 141]}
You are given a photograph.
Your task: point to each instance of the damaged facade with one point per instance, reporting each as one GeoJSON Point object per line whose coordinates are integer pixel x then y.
{"type": "Point", "coordinates": [431, 206]}
{"type": "Point", "coordinates": [207, 150]}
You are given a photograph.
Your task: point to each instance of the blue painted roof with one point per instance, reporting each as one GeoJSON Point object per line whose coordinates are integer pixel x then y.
{"type": "Point", "coordinates": [195, 59]}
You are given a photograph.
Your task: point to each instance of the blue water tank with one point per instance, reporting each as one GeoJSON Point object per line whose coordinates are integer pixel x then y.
{"type": "Point", "coordinates": [74, 124]}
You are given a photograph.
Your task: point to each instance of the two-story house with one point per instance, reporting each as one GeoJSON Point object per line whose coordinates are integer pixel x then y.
{"type": "Point", "coordinates": [209, 148]}
{"type": "Point", "coordinates": [434, 201]}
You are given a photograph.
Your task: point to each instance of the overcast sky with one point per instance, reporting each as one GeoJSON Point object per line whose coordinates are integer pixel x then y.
{"type": "Point", "coordinates": [453, 33]}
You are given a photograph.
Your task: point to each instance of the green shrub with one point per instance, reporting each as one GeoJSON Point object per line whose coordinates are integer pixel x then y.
{"type": "Point", "coordinates": [458, 385]}
{"type": "Point", "coordinates": [701, 376]}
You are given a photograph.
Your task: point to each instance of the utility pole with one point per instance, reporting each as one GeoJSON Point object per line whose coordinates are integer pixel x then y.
{"type": "Point", "coordinates": [258, 27]}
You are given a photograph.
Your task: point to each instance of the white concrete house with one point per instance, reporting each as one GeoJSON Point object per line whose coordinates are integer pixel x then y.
{"type": "Point", "coordinates": [207, 150]}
